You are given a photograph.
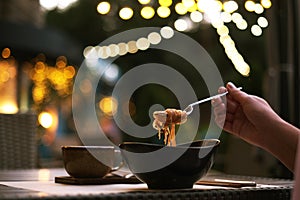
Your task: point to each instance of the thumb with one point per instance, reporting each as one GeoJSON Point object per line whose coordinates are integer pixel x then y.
{"type": "Point", "coordinates": [235, 93]}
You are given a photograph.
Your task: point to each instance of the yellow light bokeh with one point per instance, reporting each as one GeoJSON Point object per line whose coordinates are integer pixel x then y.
{"type": "Point", "coordinates": [258, 8]}
{"type": "Point", "coordinates": [223, 30]}
{"type": "Point", "coordinates": [45, 119]}
{"type": "Point", "coordinates": [256, 30]}
{"type": "Point", "coordinates": [126, 13]}
{"type": "Point", "coordinates": [166, 3]}
{"type": "Point", "coordinates": [9, 107]}
{"type": "Point", "coordinates": [180, 25]}
{"type": "Point", "coordinates": [230, 6]}
{"type": "Point", "coordinates": [6, 53]}
{"type": "Point", "coordinates": [108, 105]}
{"type": "Point", "coordinates": [262, 22]}
{"type": "Point", "coordinates": [188, 3]}
{"type": "Point", "coordinates": [193, 8]}
{"type": "Point", "coordinates": [250, 5]}
{"type": "Point", "coordinates": [196, 16]}
{"type": "Point", "coordinates": [163, 12]}
{"type": "Point", "coordinates": [147, 12]}
{"type": "Point", "coordinates": [143, 2]}
{"type": "Point", "coordinates": [181, 9]}
{"type": "Point", "coordinates": [167, 32]}
{"type": "Point", "coordinates": [103, 7]}
{"type": "Point", "coordinates": [266, 3]}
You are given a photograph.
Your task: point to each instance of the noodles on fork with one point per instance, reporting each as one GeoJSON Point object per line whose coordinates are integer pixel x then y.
{"type": "Point", "coordinates": [165, 121]}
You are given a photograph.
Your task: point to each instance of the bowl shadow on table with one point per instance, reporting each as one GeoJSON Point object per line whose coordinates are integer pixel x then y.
{"type": "Point", "coordinates": [167, 167]}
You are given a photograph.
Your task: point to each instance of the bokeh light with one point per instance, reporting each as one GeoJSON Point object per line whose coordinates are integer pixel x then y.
{"type": "Point", "coordinates": [143, 2]}
{"type": "Point", "coordinates": [103, 7]}
{"type": "Point", "coordinates": [126, 13]}
{"type": "Point", "coordinates": [108, 105]}
{"type": "Point", "coordinates": [45, 119]}
{"type": "Point", "coordinates": [163, 12]}
{"type": "Point", "coordinates": [147, 12]}
{"type": "Point", "coordinates": [165, 3]}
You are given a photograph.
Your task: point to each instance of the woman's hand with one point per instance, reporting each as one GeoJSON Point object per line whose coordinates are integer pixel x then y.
{"type": "Point", "coordinates": [252, 119]}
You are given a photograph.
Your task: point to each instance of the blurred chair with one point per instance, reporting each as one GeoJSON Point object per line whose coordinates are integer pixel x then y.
{"type": "Point", "coordinates": [18, 141]}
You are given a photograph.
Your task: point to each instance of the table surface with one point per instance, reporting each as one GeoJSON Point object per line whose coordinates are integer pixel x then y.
{"type": "Point", "coordinates": [40, 184]}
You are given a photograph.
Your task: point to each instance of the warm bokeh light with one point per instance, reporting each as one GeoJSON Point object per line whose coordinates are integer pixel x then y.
{"type": "Point", "coordinates": [60, 4]}
{"type": "Point", "coordinates": [132, 48]}
{"type": "Point", "coordinates": [143, 2]}
{"type": "Point", "coordinates": [108, 105]}
{"type": "Point", "coordinates": [126, 13]}
{"type": "Point", "coordinates": [6, 53]}
{"type": "Point", "coordinates": [103, 7]}
{"type": "Point", "coordinates": [266, 3]}
{"type": "Point", "coordinates": [167, 32]}
{"type": "Point", "coordinates": [8, 107]}
{"type": "Point", "coordinates": [49, 4]}
{"type": "Point", "coordinates": [181, 9]}
{"type": "Point", "coordinates": [147, 12]}
{"type": "Point", "coordinates": [163, 12]}
{"type": "Point", "coordinates": [123, 48]}
{"type": "Point", "coordinates": [215, 12]}
{"type": "Point", "coordinates": [45, 119]}
{"type": "Point", "coordinates": [258, 9]}
{"type": "Point", "coordinates": [142, 43]}
{"type": "Point", "coordinates": [242, 25]}
{"type": "Point", "coordinates": [166, 3]}
{"type": "Point", "coordinates": [230, 6]}
{"type": "Point", "coordinates": [223, 30]}
{"type": "Point", "coordinates": [250, 5]}
{"type": "Point", "coordinates": [47, 78]}
{"type": "Point", "coordinates": [256, 30]}
{"type": "Point", "coordinates": [262, 22]}
{"type": "Point", "coordinates": [236, 18]}
{"type": "Point", "coordinates": [8, 83]}
{"type": "Point", "coordinates": [188, 3]}
{"type": "Point", "coordinates": [226, 17]}
{"type": "Point", "coordinates": [154, 38]}
{"type": "Point", "coordinates": [181, 25]}
{"type": "Point", "coordinates": [113, 50]}
{"type": "Point", "coordinates": [196, 16]}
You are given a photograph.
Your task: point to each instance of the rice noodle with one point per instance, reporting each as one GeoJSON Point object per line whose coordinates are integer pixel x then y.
{"type": "Point", "coordinates": [165, 121]}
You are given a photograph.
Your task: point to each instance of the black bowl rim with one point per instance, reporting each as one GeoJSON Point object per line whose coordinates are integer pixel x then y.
{"type": "Point", "coordinates": [181, 145]}
{"type": "Point", "coordinates": [86, 147]}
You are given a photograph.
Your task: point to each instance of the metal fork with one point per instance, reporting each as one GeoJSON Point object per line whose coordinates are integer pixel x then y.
{"type": "Point", "coordinates": [189, 109]}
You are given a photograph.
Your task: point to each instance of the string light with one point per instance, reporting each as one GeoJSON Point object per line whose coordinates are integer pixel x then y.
{"type": "Point", "coordinates": [215, 12]}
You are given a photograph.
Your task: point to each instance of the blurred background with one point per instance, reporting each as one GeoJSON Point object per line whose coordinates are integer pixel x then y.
{"type": "Point", "coordinates": [254, 43]}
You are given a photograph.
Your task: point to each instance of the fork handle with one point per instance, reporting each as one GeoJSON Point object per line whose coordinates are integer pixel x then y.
{"type": "Point", "coordinates": [212, 97]}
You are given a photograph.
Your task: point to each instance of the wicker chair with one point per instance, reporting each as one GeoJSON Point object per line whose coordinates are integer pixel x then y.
{"type": "Point", "coordinates": [18, 141]}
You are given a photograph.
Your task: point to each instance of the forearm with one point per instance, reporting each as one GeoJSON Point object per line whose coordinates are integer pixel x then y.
{"type": "Point", "coordinates": [282, 143]}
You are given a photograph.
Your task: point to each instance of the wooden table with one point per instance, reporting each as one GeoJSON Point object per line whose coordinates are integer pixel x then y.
{"type": "Point", "coordinates": [40, 184]}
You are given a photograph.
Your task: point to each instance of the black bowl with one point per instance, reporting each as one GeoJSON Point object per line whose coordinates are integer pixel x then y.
{"type": "Point", "coordinates": [167, 167]}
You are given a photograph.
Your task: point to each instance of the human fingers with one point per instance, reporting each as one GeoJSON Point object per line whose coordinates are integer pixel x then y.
{"type": "Point", "coordinates": [218, 100]}
{"type": "Point", "coordinates": [220, 109]}
{"type": "Point", "coordinates": [235, 93]}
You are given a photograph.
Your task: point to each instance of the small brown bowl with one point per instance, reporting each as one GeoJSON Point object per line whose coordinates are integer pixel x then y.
{"type": "Point", "coordinates": [88, 161]}
{"type": "Point", "coordinates": [167, 167]}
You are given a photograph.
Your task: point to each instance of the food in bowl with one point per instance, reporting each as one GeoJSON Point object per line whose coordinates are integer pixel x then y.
{"type": "Point", "coordinates": [165, 121]}
{"type": "Point", "coordinates": [170, 167]}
